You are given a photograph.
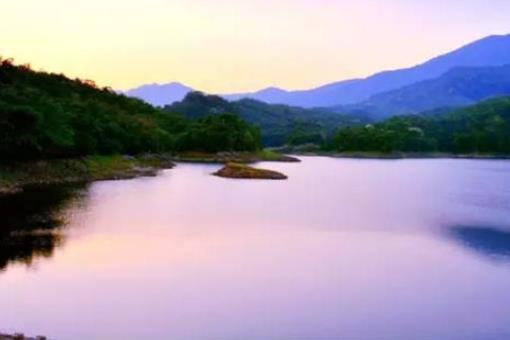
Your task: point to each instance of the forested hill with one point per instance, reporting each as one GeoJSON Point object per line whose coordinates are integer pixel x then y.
{"type": "Point", "coordinates": [279, 124]}
{"type": "Point", "coordinates": [479, 129]}
{"type": "Point", "coordinates": [44, 115]}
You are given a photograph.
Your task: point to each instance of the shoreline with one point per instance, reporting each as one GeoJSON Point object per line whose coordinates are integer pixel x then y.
{"type": "Point", "coordinates": [234, 157]}
{"type": "Point", "coordinates": [17, 175]}
{"type": "Point", "coordinates": [401, 155]}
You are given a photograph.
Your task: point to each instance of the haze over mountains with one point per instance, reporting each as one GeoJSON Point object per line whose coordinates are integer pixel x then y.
{"type": "Point", "coordinates": [460, 86]}
{"type": "Point", "coordinates": [488, 52]}
{"type": "Point", "coordinates": [160, 95]}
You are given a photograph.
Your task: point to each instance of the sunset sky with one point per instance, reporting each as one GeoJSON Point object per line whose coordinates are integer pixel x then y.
{"type": "Point", "coordinates": [239, 45]}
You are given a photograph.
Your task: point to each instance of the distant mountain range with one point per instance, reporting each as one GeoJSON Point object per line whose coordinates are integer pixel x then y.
{"type": "Point", "coordinates": [160, 94]}
{"type": "Point", "coordinates": [457, 87]}
{"type": "Point", "coordinates": [490, 51]}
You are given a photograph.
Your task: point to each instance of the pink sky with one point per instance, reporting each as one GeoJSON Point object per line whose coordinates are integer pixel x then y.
{"type": "Point", "coordinates": [228, 46]}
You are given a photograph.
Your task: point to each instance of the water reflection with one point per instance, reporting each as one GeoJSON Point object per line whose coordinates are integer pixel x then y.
{"type": "Point", "coordinates": [490, 242]}
{"type": "Point", "coordinates": [345, 249]}
{"type": "Point", "coordinates": [31, 222]}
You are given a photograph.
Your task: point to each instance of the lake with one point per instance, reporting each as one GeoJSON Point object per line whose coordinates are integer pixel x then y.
{"type": "Point", "coordinates": [344, 249]}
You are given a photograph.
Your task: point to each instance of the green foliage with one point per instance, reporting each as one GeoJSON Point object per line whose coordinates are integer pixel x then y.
{"type": "Point", "coordinates": [268, 155]}
{"type": "Point", "coordinates": [221, 132]}
{"type": "Point", "coordinates": [306, 133]}
{"type": "Point", "coordinates": [482, 128]}
{"type": "Point", "coordinates": [45, 115]}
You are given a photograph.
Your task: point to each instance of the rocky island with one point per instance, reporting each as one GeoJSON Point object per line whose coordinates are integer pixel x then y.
{"type": "Point", "coordinates": [242, 171]}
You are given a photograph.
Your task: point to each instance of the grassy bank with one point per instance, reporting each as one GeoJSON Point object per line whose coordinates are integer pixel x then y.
{"type": "Point", "coordinates": [14, 176]}
{"type": "Point", "coordinates": [234, 157]}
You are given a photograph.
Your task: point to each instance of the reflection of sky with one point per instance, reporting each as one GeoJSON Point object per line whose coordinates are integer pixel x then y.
{"type": "Point", "coordinates": [238, 45]}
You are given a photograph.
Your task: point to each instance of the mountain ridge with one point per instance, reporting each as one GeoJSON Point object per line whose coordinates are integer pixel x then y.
{"type": "Point", "coordinates": [459, 86]}
{"type": "Point", "coordinates": [493, 50]}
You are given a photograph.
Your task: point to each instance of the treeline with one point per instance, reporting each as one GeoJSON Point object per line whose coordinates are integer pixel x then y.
{"type": "Point", "coordinates": [46, 115]}
{"type": "Point", "coordinates": [482, 128]}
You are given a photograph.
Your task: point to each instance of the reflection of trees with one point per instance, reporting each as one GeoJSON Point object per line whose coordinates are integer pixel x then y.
{"type": "Point", "coordinates": [25, 248]}
{"type": "Point", "coordinates": [493, 243]}
{"type": "Point", "coordinates": [31, 222]}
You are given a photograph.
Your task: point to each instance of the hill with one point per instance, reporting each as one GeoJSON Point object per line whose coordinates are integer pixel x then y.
{"type": "Point", "coordinates": [483, 128]}
{"type": "Point", "coordinates": [279, 124]}
{"type": "Point", "coordinates": [45, 115]}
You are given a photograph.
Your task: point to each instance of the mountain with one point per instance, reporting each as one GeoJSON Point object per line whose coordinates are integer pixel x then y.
{"type": "Point", "coordinates": [160, 94]}
{"type": "Point", "coordinates": [279, 124]}
{"type": "Point", "coordinates": [490, 51]}
{"type": "Point", "coordinates": [459, 86]}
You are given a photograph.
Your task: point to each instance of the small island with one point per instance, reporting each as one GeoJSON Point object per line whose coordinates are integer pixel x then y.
{"type": "Point", "coordinates": [242, 171]}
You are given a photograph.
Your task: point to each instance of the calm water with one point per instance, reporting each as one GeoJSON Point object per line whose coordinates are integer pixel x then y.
{"type": "Point", "coordinates": [345, 249]}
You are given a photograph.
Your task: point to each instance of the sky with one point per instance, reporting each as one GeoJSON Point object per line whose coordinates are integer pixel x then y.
{"type": "Point", "coordinates": [223, 46]}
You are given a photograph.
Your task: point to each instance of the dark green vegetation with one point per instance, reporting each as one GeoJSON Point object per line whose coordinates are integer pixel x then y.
{"type": "Point", "coordinates": [45, 115]}
{"type": "Point", "coordinates": [242, 171]}
{"type": "Point", "coordinates": [279, 124]}
{"type": "Point", "coordinates": [219, 133]}
{"type": "Point", "coordinates": [480, 129]}
{"type": "Point", "coordinates": [458, 87]}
